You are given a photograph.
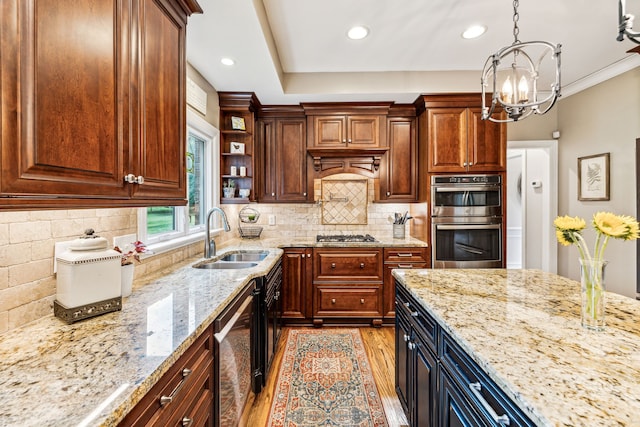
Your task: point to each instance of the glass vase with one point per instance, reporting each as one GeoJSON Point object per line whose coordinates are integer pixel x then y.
{"type": "Point", "coordinates": [592, 294]}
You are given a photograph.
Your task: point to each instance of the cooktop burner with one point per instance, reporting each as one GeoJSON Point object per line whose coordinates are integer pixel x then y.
{"type": "Point", "coordinates": [345, 238]}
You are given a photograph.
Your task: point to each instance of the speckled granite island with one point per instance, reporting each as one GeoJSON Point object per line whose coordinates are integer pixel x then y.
{"type": "Point", "coordinates": [522, 327]}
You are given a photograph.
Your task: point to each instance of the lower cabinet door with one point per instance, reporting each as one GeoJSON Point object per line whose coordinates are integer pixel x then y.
{"type": "Point", "coordinates": [425, 377]}
{"type": "Point", "coordinates": [454, 408]}
{"type": "Point", "coordinates": [402, 361]}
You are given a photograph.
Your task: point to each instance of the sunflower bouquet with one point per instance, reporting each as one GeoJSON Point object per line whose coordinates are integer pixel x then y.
{"type": "Point", "coordinates": [607, 226]}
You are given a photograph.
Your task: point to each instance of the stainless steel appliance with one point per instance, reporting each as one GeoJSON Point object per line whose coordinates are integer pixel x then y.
{"type": "Point", "coordinates": [466, 195]}
{"type": "Point", "coordinates": [235, 358]}
{"type": "Point", "coordinates": [466, 221]}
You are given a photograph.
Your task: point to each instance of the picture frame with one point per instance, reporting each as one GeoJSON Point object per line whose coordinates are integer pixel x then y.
{"type": "Point", "coordinates": [593, 177]}
{"type": "Point", "coordinates": [236, 147]}
{"type": "Point", "coordinates": [237, 123]}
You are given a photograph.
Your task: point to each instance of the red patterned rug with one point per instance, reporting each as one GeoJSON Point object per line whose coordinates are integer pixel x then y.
{"type": "Point", "coordinates": [325, 380]}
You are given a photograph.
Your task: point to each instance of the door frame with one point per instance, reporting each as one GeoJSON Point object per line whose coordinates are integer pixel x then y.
{"type": "Point", "coordinates": [549, 262]}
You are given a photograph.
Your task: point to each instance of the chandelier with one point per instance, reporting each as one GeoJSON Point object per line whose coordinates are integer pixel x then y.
{"type": "Point", "coordinates": [625, 24]}
{"type": "Point", "coordinates": [520, 77]}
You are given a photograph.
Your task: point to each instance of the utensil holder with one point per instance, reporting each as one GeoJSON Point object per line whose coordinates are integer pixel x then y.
{"type": "Point", "coordinates": [398, 231]}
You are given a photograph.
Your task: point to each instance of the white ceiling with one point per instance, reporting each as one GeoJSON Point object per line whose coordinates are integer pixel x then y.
{"type": "Point", "coordinates": [291, 51]}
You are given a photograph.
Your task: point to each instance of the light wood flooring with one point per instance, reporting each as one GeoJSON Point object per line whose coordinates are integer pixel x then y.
{"type": "Point", "coordinates": [380, 347]}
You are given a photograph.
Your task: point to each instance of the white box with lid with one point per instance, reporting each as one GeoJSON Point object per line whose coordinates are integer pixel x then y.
{"type": "Point", "coordinates": [88, 273]}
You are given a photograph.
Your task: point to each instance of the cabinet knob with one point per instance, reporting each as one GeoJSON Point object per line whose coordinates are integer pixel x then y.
{"type": "Point", "coordinates": [344, 141]}
{"type": "Point", "coordinates": [470, 164]}
{"type": "Point", "coordinates": [273, 194]}
{"type": "Point", "coordinates": [132, 179]}
{"type": "Point", "coordinates": [349, 141]}
{"type": "Point", "coordinates": [362, 265]}
{"type": "Point", "coordinates": [186, 422]}
{"type": "Point", "coordinates": [304, 194]}
{"type": "Point", "coordinates": [333, 265]}
{"type": "Point", "coordinates": [276, 296]}
{"type": "Point", "coordinates": [406, 337]}
{"type": "Point", "coordinates": [388, 193]}
{"type": "Point", "coordinates": [411, 345]}
{"type": "Point", "coordinates": [308, 255]}
{"type": "Point", "coordinates": [464, 164]}
{"type": "Point", "coordinates": [333, 300]}
{"type": "Point", "coordinates": [361, 300]}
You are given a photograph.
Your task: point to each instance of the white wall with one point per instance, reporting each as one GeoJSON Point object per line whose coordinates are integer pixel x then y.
{"type": "Point", "coordinates": [601, 119]}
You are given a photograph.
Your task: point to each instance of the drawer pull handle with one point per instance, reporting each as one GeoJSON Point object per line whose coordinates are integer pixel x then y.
{"type": "Point", "coordinates": [361, 300]}
{"type": "Point", "coordinates": [405, 266]}
{"type": "Point", "coordinates": [362, 265]}
{"type": "Point", "coordinates": [409, 255]}
{"type": "Point", "coordinates": [500, 419]}
{"type": "Point", "coordinates": [406, 337]}
{"type": "Point", "coordinates": [165, 400]}
{"type": "Point", "coordinates": [333, 300]}
{"type": "Point", "coordinates": [411, 346]}
{"type": "Point", "coordinates": [276, 296]}
{"type": "Point", "coordinates": [333, 265]}
{"type": "Point", "coordinates": [414, 314]}
{"type": "Point", "coordinates": [186, 422]}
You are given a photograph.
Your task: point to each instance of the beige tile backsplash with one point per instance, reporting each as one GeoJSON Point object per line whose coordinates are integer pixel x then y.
{"type": "Point", "coordinates": [27, 282]}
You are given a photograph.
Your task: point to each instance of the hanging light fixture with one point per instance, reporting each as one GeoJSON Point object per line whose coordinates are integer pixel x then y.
{"type": "Point", "coordinates": [625, 24]}
{"type": "Point", "coordinates": [520, 76]}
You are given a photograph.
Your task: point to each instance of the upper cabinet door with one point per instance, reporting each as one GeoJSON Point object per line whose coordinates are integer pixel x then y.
{"type": "Point", "coordinates": [160, 154]}
{"type": "Point", "coordinates": [64, 89]}
{"type": "Point", "coordinates": [330, 131]}
{"type": "Point", "coordinates": [447, 139]}
{"type": "Point", "coordinates": [291, 160]}
{"type": "Point", "coordinates": [487, 142]}
{"type": "Point", "coordinates": [363, 131]}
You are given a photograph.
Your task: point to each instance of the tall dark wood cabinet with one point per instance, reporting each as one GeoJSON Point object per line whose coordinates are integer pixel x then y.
{"type": "Point", "coordinates": [93, 107]}
{"type": "Point", "coordinates": [282, 147]}
{"type": "Point", "coordinates": [399, 171]}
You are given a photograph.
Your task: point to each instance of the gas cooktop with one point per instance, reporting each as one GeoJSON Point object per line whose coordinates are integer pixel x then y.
{"type": "Point", "coordinates": [345, 238]}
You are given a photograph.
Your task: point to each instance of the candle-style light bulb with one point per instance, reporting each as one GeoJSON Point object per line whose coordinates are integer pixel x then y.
{"type": "Point", "coordinates": [523, 90]}
{"type": "Point", "coordinates": [506, 94]}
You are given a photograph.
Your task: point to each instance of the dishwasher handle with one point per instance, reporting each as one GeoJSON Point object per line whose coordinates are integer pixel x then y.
{"type": "Point", "coordinates": [220, 336]}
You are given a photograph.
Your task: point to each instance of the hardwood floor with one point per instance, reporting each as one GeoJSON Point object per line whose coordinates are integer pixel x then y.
{"type": "Point", "coordinates": [380, 347]}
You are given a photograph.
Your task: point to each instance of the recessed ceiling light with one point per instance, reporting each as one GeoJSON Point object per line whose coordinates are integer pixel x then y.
{"type": "Point", "coordinates": [227, 61]}
{"type": "Point", "coordinates": [474, 31]}
{"type": "Point", "coordinates": [358, 33]}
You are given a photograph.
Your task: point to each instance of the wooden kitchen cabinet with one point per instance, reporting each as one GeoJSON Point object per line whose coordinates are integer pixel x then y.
{"type": "Point", "coordinates": [347, 285]}
{"type": "Point", "coordinates": [456, 138]}
{"type": "Point", "coordinates": [92, 93]}
{"type": "Point", "coordinates": [400, 257]}
{"type": "Point", "coordinates": [183, 393]}
{"type": "Point", "coordinates": [297, 270]}
{"type": "Point", "coordinates": [237, 120]}
{"type": "Point", "coordinates": [399, 171]}
{"type": "Point", "coordinates": [283, 161]}
{"type": "Point", "coordinates": [346, 131]}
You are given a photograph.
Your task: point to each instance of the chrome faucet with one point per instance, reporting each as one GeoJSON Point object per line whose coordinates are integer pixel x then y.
{"type": "Point", "coordinates": [209, 243]}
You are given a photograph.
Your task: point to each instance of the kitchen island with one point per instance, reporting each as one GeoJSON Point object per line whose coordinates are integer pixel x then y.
{"type": "Point", "coordinates": [522, 328]}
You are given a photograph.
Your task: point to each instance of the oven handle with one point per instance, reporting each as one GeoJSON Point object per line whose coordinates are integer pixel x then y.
{"type": "Point", "coordinates": [468, 226]}
{"type": "Point", "coordinates": [470, 189]}
{"type": "Point", "coordinates": [469, 249]}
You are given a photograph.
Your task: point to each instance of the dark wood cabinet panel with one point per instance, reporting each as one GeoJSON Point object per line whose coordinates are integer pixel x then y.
{"type": "Point", "coordinates": [447, 139]}
{"type": "Point", "coordinates": [297, 266]}
{"type": "Point", "coordinates": [399, 172]}
{"type": "Point", "coordinates": [350, 264]}
{"type": "Point", "coordinates": [91, 92]}
{"type": "Point", "coordinates": [347, 301]}
{"type": "Point", "coordinates": [487, 143]}
{"type": "Point", "coordinates": [345, 131]}
{"type": "Point", "coordinates": [399, 258]}
{"type": "Point", "coordinates": [283, 161]}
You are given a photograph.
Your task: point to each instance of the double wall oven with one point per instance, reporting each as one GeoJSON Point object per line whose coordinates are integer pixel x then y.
{"type": "Point", "coordinates": [466, 221]}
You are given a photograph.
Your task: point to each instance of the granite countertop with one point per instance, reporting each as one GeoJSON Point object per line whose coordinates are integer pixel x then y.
{"type": "Point", "coordinates": [523, 328]}
{"type": "Point", "coordinates": [94, 372]}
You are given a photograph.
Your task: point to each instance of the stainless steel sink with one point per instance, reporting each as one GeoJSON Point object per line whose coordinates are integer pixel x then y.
{"type": "Point", "coordinates": [225, 265]}
{"type": "Point", "coordinates": [246, 256]}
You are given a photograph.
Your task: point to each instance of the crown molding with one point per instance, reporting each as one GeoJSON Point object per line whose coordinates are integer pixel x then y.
{"type": "Point", "coordinates": [626, 64]}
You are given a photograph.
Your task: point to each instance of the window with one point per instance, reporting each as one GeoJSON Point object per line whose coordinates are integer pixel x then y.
{"type": "Point", "coordinates": [167, 227]}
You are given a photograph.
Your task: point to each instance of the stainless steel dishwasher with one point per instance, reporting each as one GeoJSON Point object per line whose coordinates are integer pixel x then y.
{"type": "Point", "coordinates": [235, 359]}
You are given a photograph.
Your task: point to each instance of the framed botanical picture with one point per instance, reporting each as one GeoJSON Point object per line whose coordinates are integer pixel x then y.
{"type": "Point", "coordinates": [593, 177]}
{"type": "Point", "coordinates": [237, 123]}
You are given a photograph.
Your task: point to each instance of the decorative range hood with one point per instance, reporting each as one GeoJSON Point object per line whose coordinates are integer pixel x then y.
{"type": "Point", "coordinates": [355, 160]}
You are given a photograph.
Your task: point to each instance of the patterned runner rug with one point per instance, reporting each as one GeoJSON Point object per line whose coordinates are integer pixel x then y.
{"type": "Point", "coordinates": [325, 380]}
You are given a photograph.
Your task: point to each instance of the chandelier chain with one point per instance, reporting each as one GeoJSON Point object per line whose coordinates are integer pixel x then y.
{"type": "Point", "coordinates": [516, 18]}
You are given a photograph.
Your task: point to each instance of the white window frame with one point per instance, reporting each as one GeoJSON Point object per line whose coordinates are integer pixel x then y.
{"type": "Point", "coordinates": [184, 235]}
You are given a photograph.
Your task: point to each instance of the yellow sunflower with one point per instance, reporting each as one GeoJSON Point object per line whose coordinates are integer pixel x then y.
{"type": "Point", "coordinates": [610, 225]}
{"type": "Point", "coordinates": [568, 223]}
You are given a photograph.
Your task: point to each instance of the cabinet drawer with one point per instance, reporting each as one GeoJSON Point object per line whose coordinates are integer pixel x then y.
{"type": "Point", "coordinates": [186, 389]}
{"type": "Point", "coordinates": [422, 321]}
{"type": "Point", "coordinates": [405, 255]}
{"type": "Point", "coordinates": [348, 265]}
{"type": "Point", "coordinates": [487, 397]}
{"type": "Point", "coordinates": [347, 301]}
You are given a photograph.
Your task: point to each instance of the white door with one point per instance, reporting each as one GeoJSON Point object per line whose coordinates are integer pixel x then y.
{"type": "Point", "coordinates": [532, 204]}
